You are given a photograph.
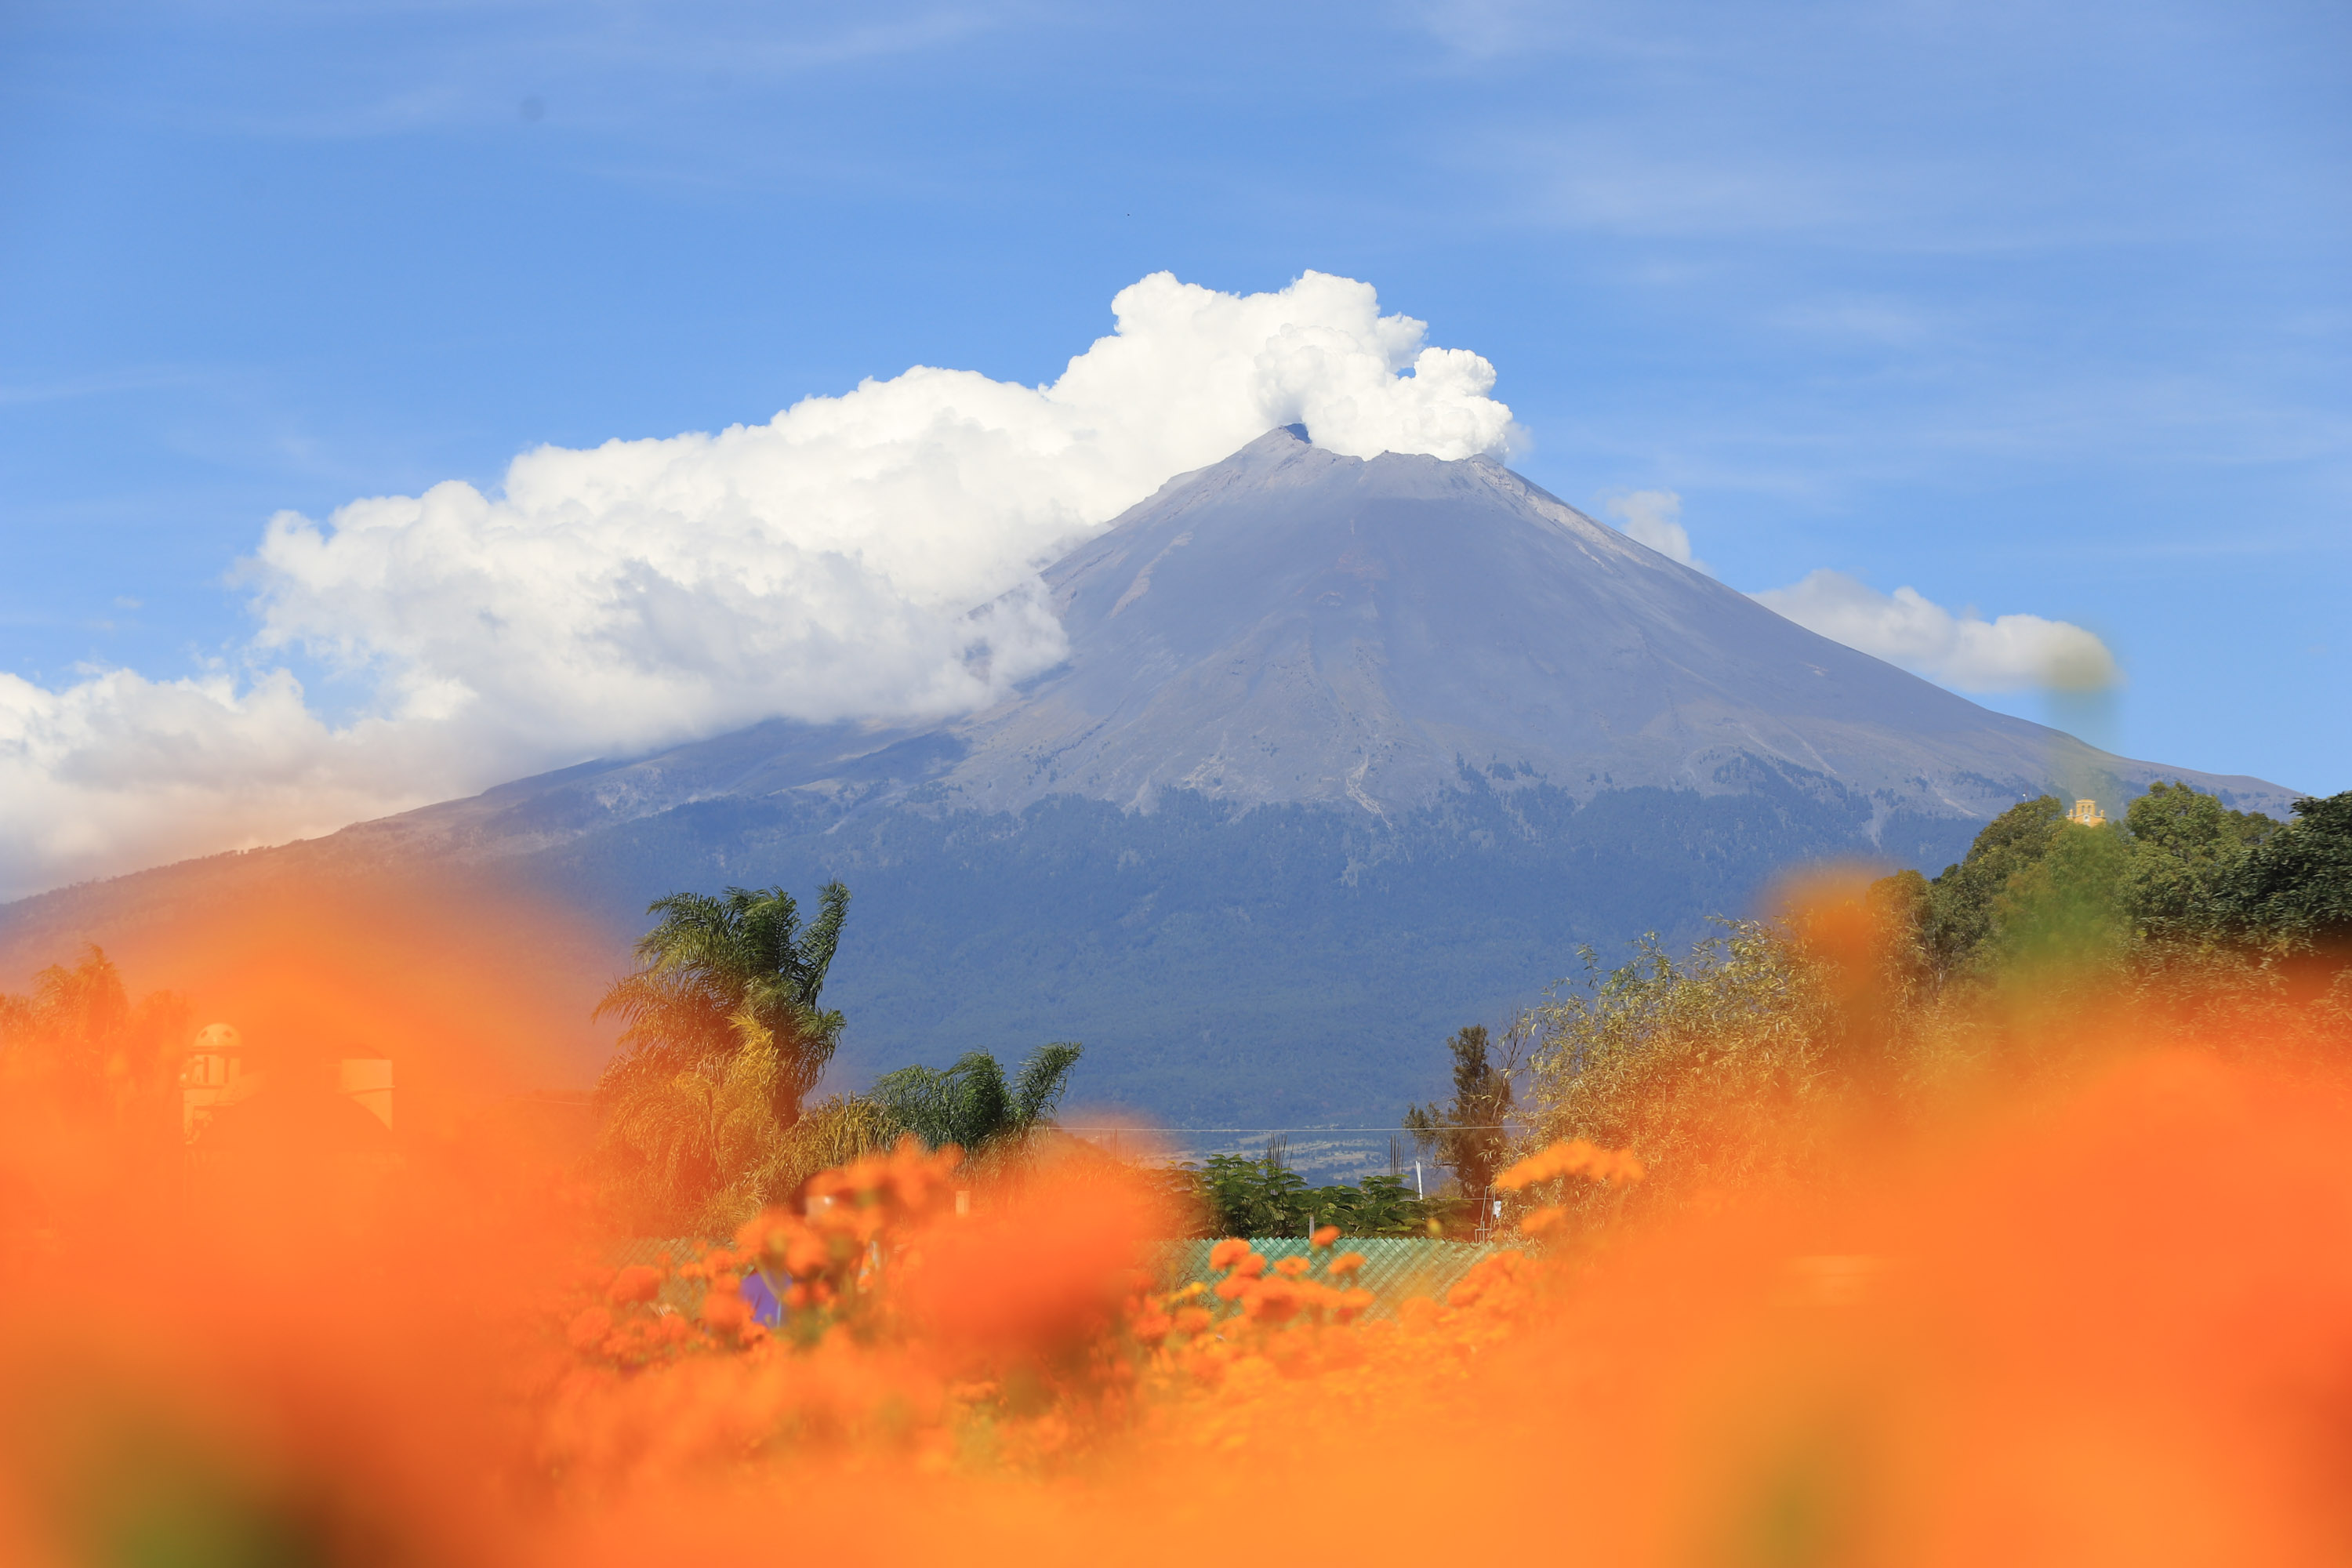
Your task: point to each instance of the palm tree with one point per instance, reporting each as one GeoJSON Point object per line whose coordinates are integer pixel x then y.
{"type": "Point", "coordinates": [970, 1104]}
{"type": "Point", "coordinates": [721, 1041]}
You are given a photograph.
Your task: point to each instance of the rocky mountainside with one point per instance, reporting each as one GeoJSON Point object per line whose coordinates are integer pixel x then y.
{"type": "Point", "coordinates": [1293, 627]}
{"type": "Point", "coordinates": [1344, 753]}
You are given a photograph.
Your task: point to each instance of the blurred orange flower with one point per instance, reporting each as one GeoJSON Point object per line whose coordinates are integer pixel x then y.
{"type": "Point", "coordinates": [634, 1283]}
{"type": "Point", "coordinates": [589, 1329]}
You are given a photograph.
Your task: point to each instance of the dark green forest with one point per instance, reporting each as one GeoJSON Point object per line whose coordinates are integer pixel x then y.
{"type": "Point", "coordinates": [1290, 962]}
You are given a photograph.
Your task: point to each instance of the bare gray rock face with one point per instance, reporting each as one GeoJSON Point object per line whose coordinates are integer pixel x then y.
{"type": "Point", "coordinates": [1294, 626]}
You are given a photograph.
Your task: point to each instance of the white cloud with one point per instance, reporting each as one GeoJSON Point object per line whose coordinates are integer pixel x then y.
{"type": "Point", "coordinates": [117, 771]}
{"type": "Point", "coordinates": [1653, 518]}
{"type": "Point", "coordinates": [2007, 653]}
{"type": "Point", "coordinates": [871, 556]}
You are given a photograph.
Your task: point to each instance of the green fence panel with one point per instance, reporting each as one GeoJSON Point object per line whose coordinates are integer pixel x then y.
{"type": "Point", "coordinates": [1396, 1269]}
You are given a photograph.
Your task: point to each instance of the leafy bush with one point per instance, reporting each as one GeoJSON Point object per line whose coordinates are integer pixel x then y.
{"type": "Point", "coordinates": [1260, 1196]}
{"type": "Point", "coordinates": [1702, 1066]}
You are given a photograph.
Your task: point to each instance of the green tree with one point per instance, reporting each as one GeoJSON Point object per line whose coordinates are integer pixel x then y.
{"type": "Point", "coordinates": [973, 1105]}
{"type": "Point", "coordinates": [1468, 1136]}
{"type": "Point", "coordinates": [2065, 916]}
{"type": "Point", "coordinates": [1374, 1205]}
{"type": "Point", "coordinates": [2295, 886]}
{"type": "Point", "coordinates": [1255, 1195]}
{"type": "Point", "coordinates": [2186, 850]}
{"type": "Point", "coordinates": [1259, 1195]}
{"type": "Point", "coordinates": [80, 1046]}
{"type": "Point", "coordinates": [1705, 1068]}
{"type": "Point", "coordinates": [721, 1041]}
{"type": "Point", "coordinates": [1958, 917]}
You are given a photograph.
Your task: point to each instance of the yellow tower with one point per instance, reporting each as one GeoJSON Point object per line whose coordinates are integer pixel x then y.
{"type": "Point", "coordinates": [2086, 814]}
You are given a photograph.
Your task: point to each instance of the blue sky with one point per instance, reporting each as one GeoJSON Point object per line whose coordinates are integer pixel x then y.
{"type": "Point", "coordinates": [2035, 309]}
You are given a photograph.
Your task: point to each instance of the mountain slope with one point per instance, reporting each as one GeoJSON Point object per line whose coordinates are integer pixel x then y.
{"type": "Point", "coordinates": [1344, 753]}
{"type": "Point", "coordinates": [1292, 626]}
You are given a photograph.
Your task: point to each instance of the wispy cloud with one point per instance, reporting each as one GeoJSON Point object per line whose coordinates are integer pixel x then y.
{"type": "Point", "coordinates": [1653, 517]}
{"type": "Point", "coordinates": [2007, 653]}
{"type": "Point", "coordinates": [103, 384]}
{"type": "Point", "coordinates": [410, 70]}
{"type": "Point", "coordinates": [1962, 650]}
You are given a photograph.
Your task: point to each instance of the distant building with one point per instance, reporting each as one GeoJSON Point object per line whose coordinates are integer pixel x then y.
{"type": "Point", "coordinates": [2086, 814]}
{"type": "Point", "coordinates": [213, 1077]}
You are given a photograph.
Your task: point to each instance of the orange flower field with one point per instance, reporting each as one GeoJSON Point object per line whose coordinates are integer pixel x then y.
{"type": "Point", "coordinates": [2108, 1321]}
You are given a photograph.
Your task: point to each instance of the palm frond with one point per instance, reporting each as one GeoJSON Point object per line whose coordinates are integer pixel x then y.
{"type": "Point", "coordinates": [1044, 1078]}
{"type": "Point", "coordinates": [720, 1043]}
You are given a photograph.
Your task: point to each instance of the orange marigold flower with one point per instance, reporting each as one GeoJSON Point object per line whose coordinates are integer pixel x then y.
{"type": "Point", "coordinates": [1291, 1268]}
{"type": "Point", "coordinates": [634, 1283]}
{"type": "Point", "coordinates": [1574, 1156]}
{"type": "Point", "coordinates": [1251, 1266]}
{"type": "Point", "coordinates": [1346, 1263]}
{"type": "Point", "coordinates": [1536, 1222]}
{"type": "Point", "coordinates": [724, 1307]}
{"type": "Point", "coordinates": [1274, 1302]}
{"type": "Point", "coordinates": [1193, 1320]}
{"type": "Point", "coordinates": [589, 1329]}
{"type": "Point", "coordinates": [1230, 1289]}
{"type": "Point", "coordinates": [1227, 1253]}
{"type": "Point", "coordinates": [1326, 1236]}
{"type": "Point", "coordinates": [769, 1233]}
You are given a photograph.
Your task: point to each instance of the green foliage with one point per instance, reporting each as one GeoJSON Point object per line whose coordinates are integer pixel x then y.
{"type": "Point", "coordinates": [2180, 879]}
{"type": "Point", "coordinates": [2186, 848]}
{"type": "Point", "coordinates": [77, 1043]}
{"type": "Point", "coordinates": [1958, 915]}
{"type": "Point", "coordinates": [972, 1105]}
{"type": "Point", "coordinates": [722, 1039]}
{"type": "Point", "coordinates": [2294, 886]}
{"type": "Point", "coordinates": [1374, 1205]}
{"type": "Point", "coordinates": [1468, 1136]}
{"type": "Point", "coordinates": [2065, 914]}
{"type": "Point", "coordinates": [1261, 1195]}
{"type": "Point", "coordinates": [1148, 929]}
{"type": "Point", "coordinates": [1254, 1196]}
{"type": "Point", "coordinates": [718, 974]}
{"type": "Point", "coordinates": [1726, 1067]}
{"type": "Point", "coordinates": [1682, 1061]}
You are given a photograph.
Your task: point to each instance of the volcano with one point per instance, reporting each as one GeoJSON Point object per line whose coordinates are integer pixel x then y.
{"type": "Point", "coordinates": [1344, 753]}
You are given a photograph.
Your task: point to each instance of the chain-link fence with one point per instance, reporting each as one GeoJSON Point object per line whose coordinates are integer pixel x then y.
{"type": "Point", "coordinates": [1396, 1269]}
